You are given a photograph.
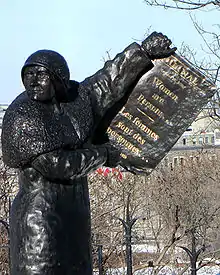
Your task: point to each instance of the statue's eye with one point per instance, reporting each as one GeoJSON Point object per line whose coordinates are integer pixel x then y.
{"type": "Point", "coordinates": [43, 75]}
{"type": "Point", "coordinates": [29, 74]}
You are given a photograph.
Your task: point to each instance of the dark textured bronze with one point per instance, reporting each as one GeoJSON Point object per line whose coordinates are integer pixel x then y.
{"type": "Point", "coordinates": [52, 61]}
{"type": "Point", "coordinates": [164, 103]}
{"type": "Point", "coordinates": [47, 136]}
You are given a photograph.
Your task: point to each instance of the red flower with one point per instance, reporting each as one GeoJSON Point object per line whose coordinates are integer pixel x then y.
{"type": "Point", "coordinates": [120, 176]}
{"type": "Point", "coordinates": [99, 171]}
{"type": "Point", "coordinates": [106, 172]}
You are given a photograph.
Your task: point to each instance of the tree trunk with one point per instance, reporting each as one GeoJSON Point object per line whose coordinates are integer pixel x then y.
{"type": "Point", "coordinates": [193, 258]}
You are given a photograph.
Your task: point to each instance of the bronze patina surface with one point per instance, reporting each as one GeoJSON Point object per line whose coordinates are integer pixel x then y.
{"type": "Point", "coordinates": [163, 104]}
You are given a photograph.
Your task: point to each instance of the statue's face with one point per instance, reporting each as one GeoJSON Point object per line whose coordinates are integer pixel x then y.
{"type": "Point", "coordinates": [38, 84]}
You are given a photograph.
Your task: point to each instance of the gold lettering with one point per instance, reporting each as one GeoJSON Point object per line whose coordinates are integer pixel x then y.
{"type": "Point", "coordinates": [159, 84]}
{"type": "Point", "coordinates": [145, 129]}
{"type": "Point", "coordinates": [123, 156]}
{"type": "Point", "coordinates": [139, 138]}
{"type": "Point", "coordinates": [142, 100]}
{"type": "Point", "coordinates": [122, 141]}
{"type": "Point", "coordinates": [180, 68]}
{"type": "Point", "coordinates": [158, 98]}
{"type": "Point", "coordinates": [124, 128]}
{"type": "Point", "coordinates": [173, 77]}
{"type": "Point", "coordinates": [126, 114]}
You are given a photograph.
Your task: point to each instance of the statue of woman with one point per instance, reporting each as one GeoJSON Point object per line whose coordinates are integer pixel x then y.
{"type": "Point", "coordinates": [54, 134]}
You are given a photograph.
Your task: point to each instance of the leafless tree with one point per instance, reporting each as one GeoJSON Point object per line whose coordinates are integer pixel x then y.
{"type": "Point", "coordinates": [116, 204]}
{"type": "Point", "coordinates": [184, 4]}
{"type": "Point", "coordinates": [186, 199]}
{"type": "Point", "coordinates": [207, 59]}
{"type": "Point", "coordinates": [8, 187]}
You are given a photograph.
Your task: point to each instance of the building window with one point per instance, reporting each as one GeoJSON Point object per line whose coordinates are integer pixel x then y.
{"type": "Point", "coordinates": [166, 162]}
{"type": "Point", "coordinates": [175, 161]}
{"type": "Point", "coordinates": [217, 134]}
{"type": "Point", "coordinates": [206, 140]}
{"type": "Point", "coordinates": [194, 141]}
{"type": "Point", "coordinates": [182, 160]}
{"type": "Point", "coordinates": [200, 140]}
{"type": "Point", "coordinates": [171, 166]}
{"type": "Point", "coordinates": [184, 141]}
{"type": "Point", "coordinates": [212, 139]}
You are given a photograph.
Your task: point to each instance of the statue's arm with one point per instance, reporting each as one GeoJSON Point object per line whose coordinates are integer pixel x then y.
{"type": "Point", "coordinates": [119, 76]}
{"type": "Point", "coordinates": [71, 164]}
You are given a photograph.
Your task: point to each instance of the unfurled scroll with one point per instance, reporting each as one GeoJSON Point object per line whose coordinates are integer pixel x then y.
{"type": "Point", "coordinates": [164, 103]}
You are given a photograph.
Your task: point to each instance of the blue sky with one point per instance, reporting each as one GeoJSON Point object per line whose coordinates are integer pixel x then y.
{"type": "Point", "coordinates": [82, 31]}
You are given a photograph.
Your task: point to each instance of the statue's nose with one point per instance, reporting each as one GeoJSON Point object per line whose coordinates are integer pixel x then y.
{"type": "Point", "coordinates": [35, 80]}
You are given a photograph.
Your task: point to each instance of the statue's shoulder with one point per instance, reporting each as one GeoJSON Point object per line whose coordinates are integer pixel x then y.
{"type": "Point", "coordinates": [21, 97]}
{"type": "Point", "coordinates": [19, 100]}
{"type": "Point", "coordinates": [78, 96]}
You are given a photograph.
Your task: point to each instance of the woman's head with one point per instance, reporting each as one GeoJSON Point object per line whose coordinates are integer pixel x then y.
{"type": "Point", "coordinates": [46, 74]}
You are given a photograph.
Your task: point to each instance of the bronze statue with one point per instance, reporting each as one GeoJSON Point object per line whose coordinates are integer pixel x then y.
{"type": "Point", "coordinates": [55, 134]}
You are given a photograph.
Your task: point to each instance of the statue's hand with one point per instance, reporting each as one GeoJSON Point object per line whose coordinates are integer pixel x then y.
{"type": "Point", "coordinates": [157, 46]}
{"type": "Point", "coordinates": [46, 163]}
{"type": "Point", "coordinates": [113, 156]}
{"type": "Point", "coordinates": [72, 164]}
